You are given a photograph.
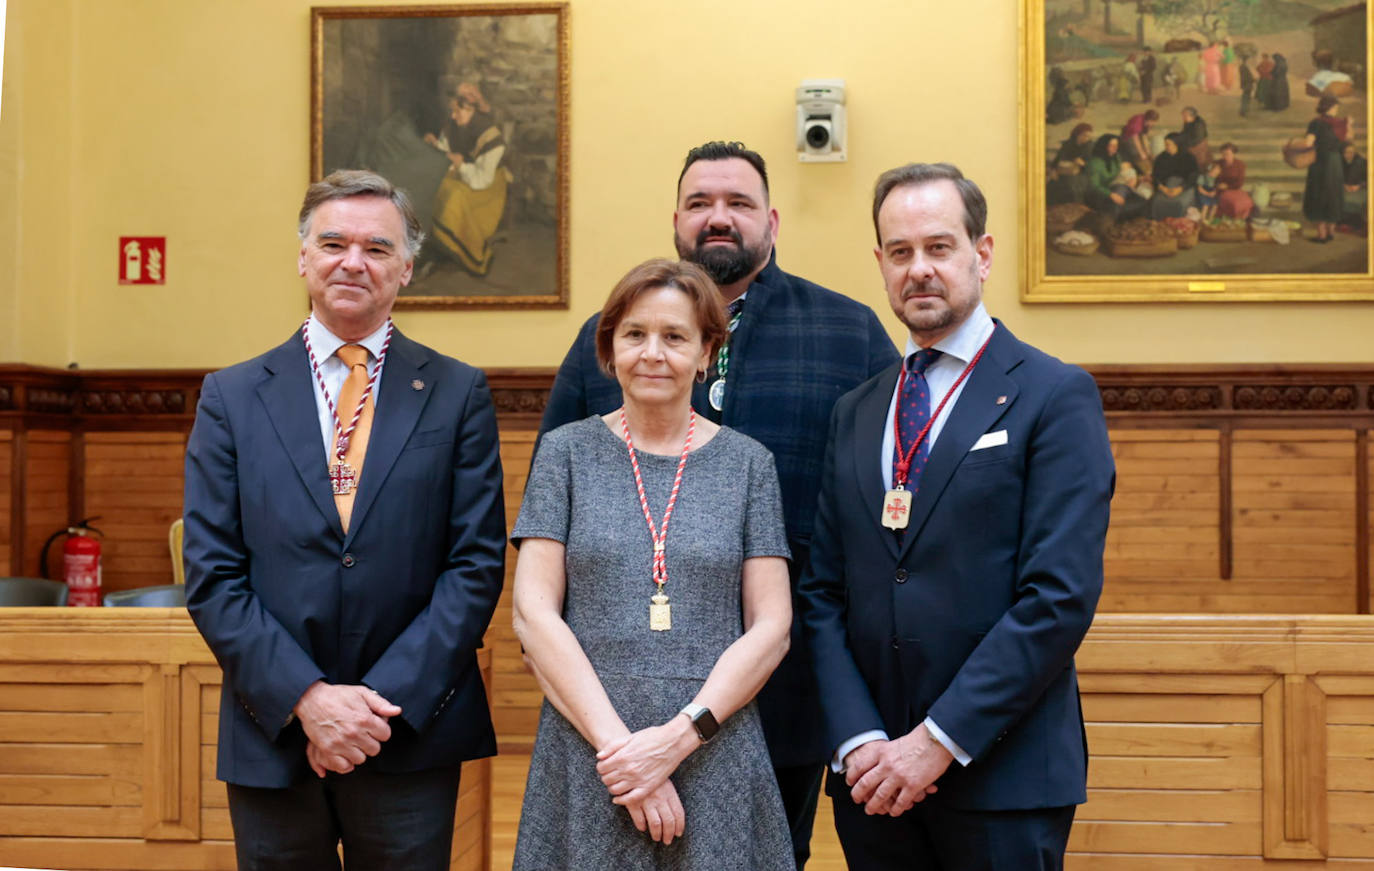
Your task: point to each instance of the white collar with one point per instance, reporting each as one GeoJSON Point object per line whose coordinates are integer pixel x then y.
{"type": "Point", "coordinates": [325, 343]}
{"type": "Point", "coordinates": [967, 338]}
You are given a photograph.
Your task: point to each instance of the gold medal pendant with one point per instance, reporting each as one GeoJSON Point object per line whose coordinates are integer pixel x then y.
{"type": "Point", "coordinates": [896, 509]}
{"type": "Point", "coordinates": [660, 612]}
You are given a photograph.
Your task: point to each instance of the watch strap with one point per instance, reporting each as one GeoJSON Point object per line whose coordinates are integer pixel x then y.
{"type": "Point", "coordinates": [702, 720]}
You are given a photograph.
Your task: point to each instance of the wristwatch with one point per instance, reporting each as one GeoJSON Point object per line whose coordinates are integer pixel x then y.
{"type": "Point", "coordinates": [703, 720]}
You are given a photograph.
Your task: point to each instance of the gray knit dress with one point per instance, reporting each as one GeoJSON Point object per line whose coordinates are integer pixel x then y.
{"type": "Point", "coordinates": [581, 492]}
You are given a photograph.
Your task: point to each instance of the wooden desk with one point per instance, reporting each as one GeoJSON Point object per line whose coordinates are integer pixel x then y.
{"type": "Point", "coordinates": [1221, 743]}
{"type": "Point", "coordinates": [108, 721]}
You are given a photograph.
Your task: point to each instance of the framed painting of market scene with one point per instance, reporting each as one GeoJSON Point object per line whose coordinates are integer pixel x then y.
{"type": "Point", "coordinates": [466, 108]}
{"type": "Point", "coordinates": [1195, 150]}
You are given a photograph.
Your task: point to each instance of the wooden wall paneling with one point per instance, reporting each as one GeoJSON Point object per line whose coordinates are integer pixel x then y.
{"type": "Point", "coordinates": [1260, 753]}
{"type": "Point", "coordinates": [107, 746]}
{"type": "Point", "coordinates": [1294, 494]}
{"type": "Point", "coordinates": [1365, 523]}
{"type": "Point", "coordinates": [1148, 569]}
{"type": "Point", "coordinates": [214, 798]}
{"type": "Point", "coordinates": [76, 480]}
{"type": "Point", "coordinates": [1225, 508]}
{"type": "Point", "coordinates": [134, 483]}
{"type": "Point", "coordinates": [1178, 773]}
{"type": "Point", "coordinates": [171, 762]}
{"type": "Point", "coordinates": [47, 486]}
{"type": "Point", "coordinates": [1294, 770]}
{"type": "Point", "coordinates": [1192, 505]}
{"type": "Point", "coordinates": [7, 482]}
{"type": "Point", "coordinates": [1338, 658]}
{"type": "Point", "coordinates": [472, 825]}
{"type": "Point", "coordinates": [1163, 545]}
{"type": "Point", "coordinates": [1361, 525]}
{"type": "Point", "coordinates": [515, 697]}
{"type": "Point", "coordinates": [17, 502]}
{"type": "Point", "coordinates": [1350, 765]}
{"type": "Point", "coordinates": [70, 750]}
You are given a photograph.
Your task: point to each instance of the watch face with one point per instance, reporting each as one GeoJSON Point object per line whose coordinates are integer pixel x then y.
{"type": "Point", "coordinates": [706, 724]}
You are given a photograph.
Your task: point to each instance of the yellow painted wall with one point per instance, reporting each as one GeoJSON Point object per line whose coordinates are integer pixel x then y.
{"type": "Point", "coordinates": [37, 244]}
{"type": "Point", "coordinates": [189, 118]}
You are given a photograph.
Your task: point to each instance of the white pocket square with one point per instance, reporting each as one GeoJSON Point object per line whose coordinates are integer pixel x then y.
{"type": "Point", "coordinates": [990, 440]}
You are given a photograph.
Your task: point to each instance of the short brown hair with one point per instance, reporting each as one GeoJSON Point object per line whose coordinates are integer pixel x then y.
{"type": "Point", "coordinates": [343, 183]}
{"type": "Point", "coordinates": [914, 174]}
{"type": "Point", "coordinates": [652, 274]}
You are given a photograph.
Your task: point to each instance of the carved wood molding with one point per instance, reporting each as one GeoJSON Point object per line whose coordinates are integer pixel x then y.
{"type": "Point", "coordinates": [166, 398]}
{"type": "Point", "coordinates": [520, 394]}
{"type": "Point", "coordinates": [99, 398]}
{"type": "Point", "coordinates": [1280, 395]}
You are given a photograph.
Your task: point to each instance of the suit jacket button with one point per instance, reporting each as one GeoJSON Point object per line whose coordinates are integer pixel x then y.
{"type": "Point", "coordinates": [900, 576]}
{"type": "Point", "coordinates": [348, 561]}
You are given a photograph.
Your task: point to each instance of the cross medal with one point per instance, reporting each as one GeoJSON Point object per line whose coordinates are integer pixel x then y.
{"type": "Point", "coordinates": [896, 508]}
{"type": "Point", "coordinates": [342, 478]}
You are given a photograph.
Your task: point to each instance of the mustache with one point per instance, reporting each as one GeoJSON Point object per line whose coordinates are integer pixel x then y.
{"type": "Point", "coordinates": [709, 233]}
{"type": "Point", "coordinates": [926, 288]}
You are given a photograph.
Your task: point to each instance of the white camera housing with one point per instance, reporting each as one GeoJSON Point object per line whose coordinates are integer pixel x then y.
{"type": "Point", "coordinates": [820, 121]}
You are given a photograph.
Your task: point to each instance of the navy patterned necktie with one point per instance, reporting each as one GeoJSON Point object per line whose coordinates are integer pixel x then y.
{"type": "Point", "coordinates": [732, 311]}
{"type": "Point", "coordinates": [913, 412]}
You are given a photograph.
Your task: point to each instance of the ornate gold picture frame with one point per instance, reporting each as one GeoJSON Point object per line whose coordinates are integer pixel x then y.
{"type": "Point", "coordinates": [466, 107]}
{"type": "Point", "coordinates": [1223, 179]}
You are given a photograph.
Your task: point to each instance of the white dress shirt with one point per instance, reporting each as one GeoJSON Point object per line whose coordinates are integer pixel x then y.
{"type": "Point", "coordinates": [335, 371]}
{"type": "Point", "coordinates": [479, 172]}
{"type": "Point", "coordinates": [957, 351]}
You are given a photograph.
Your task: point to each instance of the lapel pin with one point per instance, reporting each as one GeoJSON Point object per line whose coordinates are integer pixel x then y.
{"type": "Point", "coordinates": [1001, 400]}
{"type": "Point", "coordinates": [417, 384]}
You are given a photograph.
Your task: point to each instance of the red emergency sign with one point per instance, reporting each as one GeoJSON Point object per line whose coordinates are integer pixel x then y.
{"type": "Point", "coordinates": [142, 259]}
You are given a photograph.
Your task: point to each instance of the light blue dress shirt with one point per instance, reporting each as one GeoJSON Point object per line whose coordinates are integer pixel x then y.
{"type": "Point", "coordinates": [334, 371]}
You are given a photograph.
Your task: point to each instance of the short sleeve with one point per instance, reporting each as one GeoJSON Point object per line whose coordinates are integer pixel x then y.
{"type": "Point", "coordinates": [544, 510]}
{"type": "Point", "coordinates": [764, 533]}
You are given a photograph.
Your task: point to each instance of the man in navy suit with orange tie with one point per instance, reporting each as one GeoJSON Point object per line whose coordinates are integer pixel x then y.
{"type": "Point", "coordinates": [345, 546]}
{"type": "Point", "coordinates": [956, 564]}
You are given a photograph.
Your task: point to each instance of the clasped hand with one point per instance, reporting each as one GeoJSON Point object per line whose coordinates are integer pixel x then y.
{"type": "Point", "coordinates": [344, 723]}
{"type": "Point", "coordinates": [635, 769]}
{"type": "Point", "coordinates": [890, 777]}
{"type": "Point", "coordinates": [634, 765]}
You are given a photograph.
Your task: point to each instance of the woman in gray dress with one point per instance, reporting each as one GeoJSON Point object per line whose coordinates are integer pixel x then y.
{"type": "Point", "coordinates": [652, 601]}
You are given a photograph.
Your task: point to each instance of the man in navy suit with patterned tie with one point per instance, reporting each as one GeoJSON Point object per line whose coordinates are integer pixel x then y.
{"type": "Point", "coordinates": [956, 564]}
{"type": "Point", "coordinates": [345, 547]}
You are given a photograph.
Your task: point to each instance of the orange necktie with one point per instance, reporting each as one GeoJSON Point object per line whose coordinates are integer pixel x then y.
{"type": "Point", "coordinates": [355, 357]}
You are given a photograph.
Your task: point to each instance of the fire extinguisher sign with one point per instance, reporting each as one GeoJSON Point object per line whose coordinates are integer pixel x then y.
{"type": "Point", "coordinates": [142, 259]}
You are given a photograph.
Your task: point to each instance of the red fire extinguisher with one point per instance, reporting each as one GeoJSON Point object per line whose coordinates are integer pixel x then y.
{"type": "Point", "coordinates": [80, 562]}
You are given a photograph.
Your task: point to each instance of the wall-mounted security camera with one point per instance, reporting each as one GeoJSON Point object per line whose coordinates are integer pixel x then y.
{"type": "Point", "coordinates": [820, 121]}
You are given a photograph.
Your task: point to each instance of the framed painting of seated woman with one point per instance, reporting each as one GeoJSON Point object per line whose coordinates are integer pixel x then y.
{"type": "Point", "coordinates": [466, 108]}
{"type": "Point", "coordinates": [1195, 150]}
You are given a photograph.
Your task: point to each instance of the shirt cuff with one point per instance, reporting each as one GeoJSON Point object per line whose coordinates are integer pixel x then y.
{"type": "Point", "coordinates": [947, 742]}
{"type": "Point", "coordinates": [837, 763]}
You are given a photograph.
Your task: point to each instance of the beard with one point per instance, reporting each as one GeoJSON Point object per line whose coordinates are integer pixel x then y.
{"type": "Point", "coordinates": [928, 320]}
{"type": "Point", "coordinates": [943, 316]}
{"type": "Point", "coordinates": [725, 265]}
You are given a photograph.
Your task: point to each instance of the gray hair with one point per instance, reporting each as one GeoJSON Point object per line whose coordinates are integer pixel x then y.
{"type": "Point", "coordinates": [975, 204]}
{"type": "Point", "coordinates": [343, 183]}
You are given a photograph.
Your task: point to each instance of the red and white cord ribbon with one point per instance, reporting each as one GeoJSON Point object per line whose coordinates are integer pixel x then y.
{"type": "Point", "coordinates": [659, 535]}
{"type": "Point", "coordinates": [343, 435]}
